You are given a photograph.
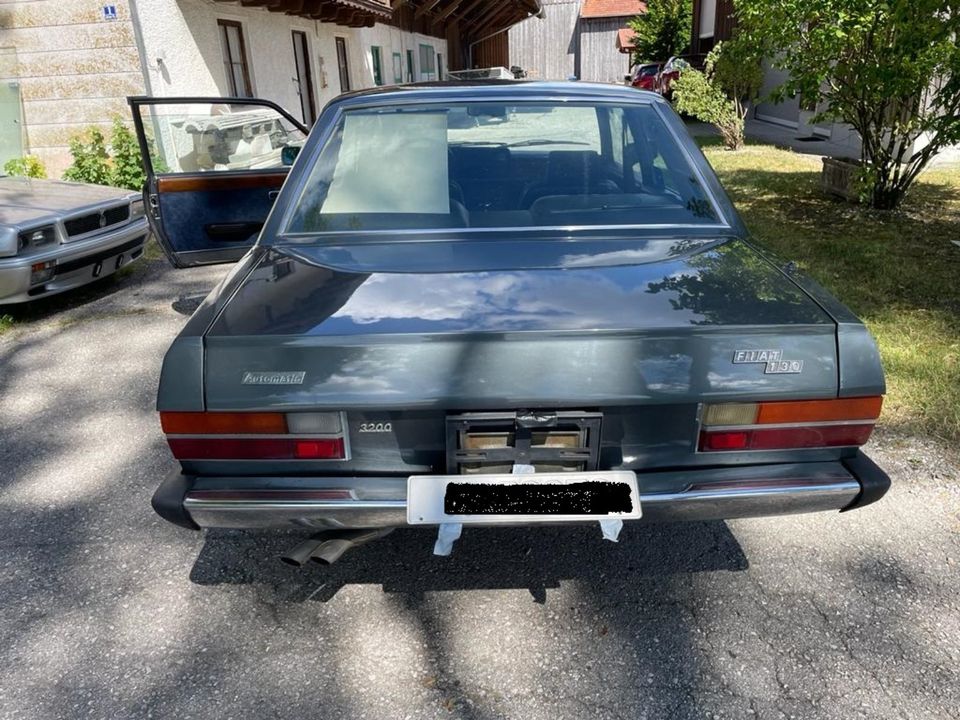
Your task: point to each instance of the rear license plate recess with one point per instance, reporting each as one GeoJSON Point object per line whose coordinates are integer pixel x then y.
{"type": "Point", "coordinates": [551, 441]}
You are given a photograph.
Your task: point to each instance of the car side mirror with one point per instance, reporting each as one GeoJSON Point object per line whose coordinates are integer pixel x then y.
{"type": "Point", "coordinates": [288, 154]}
{"type": "Point", "coordinates": [658, 180]}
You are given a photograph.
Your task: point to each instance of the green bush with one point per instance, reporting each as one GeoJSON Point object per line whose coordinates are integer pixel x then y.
{"type": "Point", "coordinates": [720, 95]}
{"type": "Point", "coordinates": [127, 171]}
{"type": "Point", "coordinates": [27, 166]}
{"type": "Point", "coordinates": [694, 94]}
{"type": "Point", "coordinates": [92, 163]}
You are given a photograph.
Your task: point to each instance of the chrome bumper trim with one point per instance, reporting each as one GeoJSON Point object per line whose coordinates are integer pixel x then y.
{"type": "Point", "coordinates": [750, 498]}
{"type": "Point", "coordinates": [15, 272]}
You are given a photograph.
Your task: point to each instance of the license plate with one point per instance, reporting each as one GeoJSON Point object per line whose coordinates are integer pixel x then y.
{"type": "Point", "coordinates": [522, 499]}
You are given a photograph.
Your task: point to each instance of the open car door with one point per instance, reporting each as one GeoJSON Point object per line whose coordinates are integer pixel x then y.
{"type": "Point", "coordinates": [214, 167]}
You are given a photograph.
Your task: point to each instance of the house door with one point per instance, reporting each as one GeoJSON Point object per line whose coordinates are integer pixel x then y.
{"type": "Point", "coordinates": [411, 72]}
{"type": "Point", "coordinates": [304, 78]}
{"type": "Point", "coordinates": [11, 115]}
{"type": "Point", "coordinates": [428, 63]}
{"type": "Point", "coordinates": [342, 63]}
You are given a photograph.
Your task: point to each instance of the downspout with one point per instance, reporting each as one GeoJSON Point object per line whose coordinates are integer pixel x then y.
{"type": "Point", "coordinates": [539, 14]}
{"type": "Point", "coordinates": [141, 47]}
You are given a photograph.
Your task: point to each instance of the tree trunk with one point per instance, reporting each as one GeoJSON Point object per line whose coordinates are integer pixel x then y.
{"type": "Point", "coordinates": [886, 197]}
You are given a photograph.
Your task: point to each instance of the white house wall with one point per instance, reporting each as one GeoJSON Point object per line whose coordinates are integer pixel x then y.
{"type": "Point", "coordinates": [183, 52]}
{"type": "Point", "coordinates": [184, 34]}
{"type": "Point", "coordinates": [391, 40]}
{"type": "Point", "coordinates": [783, 113]}
{"type": "Point", "coordinates": [788, 114]}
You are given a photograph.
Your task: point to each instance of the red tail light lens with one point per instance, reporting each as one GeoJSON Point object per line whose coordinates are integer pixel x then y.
{"type": "Point", "coordinates": [319, 449]}
{"type": "Point", "coordinates": [735, 440]}
{"type": "Point", "coordinates": [843, 422]}
{"type": "Point", "coordinates": [786, 438]}
{"type": "Point", "coordinates": [257, 449]}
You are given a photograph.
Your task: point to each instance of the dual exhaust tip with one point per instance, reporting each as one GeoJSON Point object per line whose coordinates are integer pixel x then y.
{"type": "Point", "coordinates": [326, 547]}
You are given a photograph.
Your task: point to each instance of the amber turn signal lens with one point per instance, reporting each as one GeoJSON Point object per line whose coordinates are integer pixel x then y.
{"type": "Point", "coordinates": [803, 411]}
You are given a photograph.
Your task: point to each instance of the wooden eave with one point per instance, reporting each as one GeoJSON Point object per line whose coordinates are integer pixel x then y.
{"type": "Point", "coordinates": [351, 13]}
{"type": "Point", "coordinates": [474, 18]}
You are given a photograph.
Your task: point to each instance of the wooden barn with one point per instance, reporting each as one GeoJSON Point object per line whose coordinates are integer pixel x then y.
{"type": "Point", "coordinates": [576, 38]}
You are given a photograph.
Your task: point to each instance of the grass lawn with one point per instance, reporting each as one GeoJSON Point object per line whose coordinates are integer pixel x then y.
{"type": "Point", "coordinates": [899, 272]}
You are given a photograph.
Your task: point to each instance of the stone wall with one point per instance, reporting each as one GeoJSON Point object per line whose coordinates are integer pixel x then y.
{"type": "Point", "coordinates": [75, 68]}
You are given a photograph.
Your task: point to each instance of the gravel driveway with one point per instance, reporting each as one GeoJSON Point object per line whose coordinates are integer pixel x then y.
{"type": "Point", "coordinates": [109, 612]}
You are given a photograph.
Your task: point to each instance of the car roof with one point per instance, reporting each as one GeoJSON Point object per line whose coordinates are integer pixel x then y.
{"type": "Point", "coordinates": [504, 89]}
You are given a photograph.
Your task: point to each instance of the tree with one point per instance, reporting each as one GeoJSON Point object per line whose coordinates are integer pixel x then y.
{"type": "Point", "coordinates": [888, 68]}
{"type": "Point", "coordinates": [721, 94]}
{"type": "Point", "coordinates": [664, 30]}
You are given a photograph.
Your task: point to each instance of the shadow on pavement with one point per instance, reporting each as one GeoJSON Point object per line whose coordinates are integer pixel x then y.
{"type": "Point", "coordinates": [535, 559]}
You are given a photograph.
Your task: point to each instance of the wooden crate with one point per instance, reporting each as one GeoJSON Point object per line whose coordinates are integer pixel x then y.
{"type": "Point", "coordinates": [839, 177]}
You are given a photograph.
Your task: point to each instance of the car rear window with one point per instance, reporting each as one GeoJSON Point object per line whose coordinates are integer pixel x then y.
{"type": "Point", "coordinates": [488, 166]}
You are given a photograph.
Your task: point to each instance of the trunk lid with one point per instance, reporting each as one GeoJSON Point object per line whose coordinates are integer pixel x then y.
{"type": "Point", "coordinates": [483, 325]}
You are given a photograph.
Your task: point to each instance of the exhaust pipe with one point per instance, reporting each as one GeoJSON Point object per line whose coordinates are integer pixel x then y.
{"type": "Point", "coordinates": [300, 554]}
{"type": "Point", "coordinates": [329, 550]}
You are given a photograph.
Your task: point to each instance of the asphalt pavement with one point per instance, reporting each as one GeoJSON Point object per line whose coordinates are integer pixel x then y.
{"type": "Point", "coordinates": [106, 611]}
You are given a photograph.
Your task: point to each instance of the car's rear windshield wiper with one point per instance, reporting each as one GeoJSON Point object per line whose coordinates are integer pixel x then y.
{"type": "Point", "coordinates": [532, 142]}
{"type": "Point", "coordinates": [480, 142]}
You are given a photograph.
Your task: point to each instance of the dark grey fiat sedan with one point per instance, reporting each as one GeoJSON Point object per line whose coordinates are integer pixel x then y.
{"type": "Point", "coordinates": [496, 303]}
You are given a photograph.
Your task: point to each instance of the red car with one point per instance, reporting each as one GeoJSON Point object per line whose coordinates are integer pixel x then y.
{"type": "Point", "coordinates": [645, 76]}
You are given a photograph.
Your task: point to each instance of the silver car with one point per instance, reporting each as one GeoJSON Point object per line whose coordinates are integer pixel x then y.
{"type": "Point", "coordinates": [55, 236]}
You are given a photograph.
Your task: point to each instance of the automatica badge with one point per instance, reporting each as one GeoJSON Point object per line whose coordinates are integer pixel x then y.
{"type": "Point", "coordinates": [274, 378]}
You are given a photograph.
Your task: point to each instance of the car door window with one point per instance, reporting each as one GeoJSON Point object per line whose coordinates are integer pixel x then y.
{"type": "Point", "coordinates": [216, 137]}
{"type": "Point", "coordinates": [214, 168]}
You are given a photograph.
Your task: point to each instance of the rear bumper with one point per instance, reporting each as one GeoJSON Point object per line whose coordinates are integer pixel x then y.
{"type": "Point", "coordinates": [704, 494]}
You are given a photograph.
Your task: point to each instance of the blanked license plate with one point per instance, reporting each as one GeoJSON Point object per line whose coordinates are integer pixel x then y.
{"type": "Point", "coordinates": [522, 499]}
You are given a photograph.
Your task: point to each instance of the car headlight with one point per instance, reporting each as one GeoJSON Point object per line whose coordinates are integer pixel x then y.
{"type": "Point", "coordinates": [9, 241]}
{"type": "Point", "coordinates": [38, 237]}
{"type": "Point", "coordinates": [137, 210]}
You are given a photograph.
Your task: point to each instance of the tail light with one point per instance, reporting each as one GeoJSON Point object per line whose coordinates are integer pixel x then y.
{"type": "Point", "coordinates": [255, 436]}
{"type": "Point", "coordinates": [843, 422]}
